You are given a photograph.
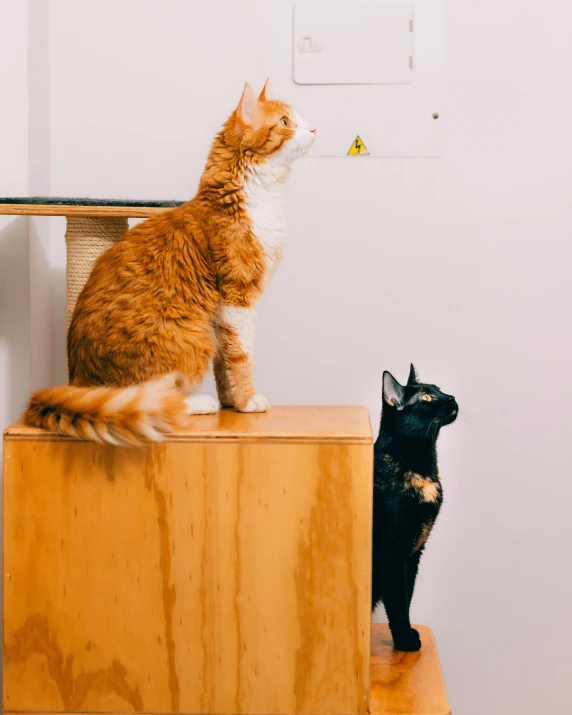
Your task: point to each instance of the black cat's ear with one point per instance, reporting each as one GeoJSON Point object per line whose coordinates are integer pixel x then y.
{"type": "Point", "coordinates": [392, 391]}
{"type": "Point", "coordinates": [412, 379]}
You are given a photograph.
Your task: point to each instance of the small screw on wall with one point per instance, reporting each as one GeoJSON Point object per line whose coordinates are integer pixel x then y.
{"type": "Point", "coordinates": [435, 115]}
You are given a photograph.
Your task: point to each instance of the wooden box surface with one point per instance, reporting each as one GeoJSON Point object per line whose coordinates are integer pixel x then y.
{"type": "Point", "coordinates": [226, 570]}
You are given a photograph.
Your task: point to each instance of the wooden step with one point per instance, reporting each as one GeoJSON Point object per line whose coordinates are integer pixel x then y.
{"type": "Point", "coordinates": [406, 683]}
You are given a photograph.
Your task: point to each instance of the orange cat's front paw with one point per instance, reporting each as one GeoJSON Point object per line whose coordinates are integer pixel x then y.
{"type": "Point", "coordinates": [201, 405]}
{"type": "Point", "coordinates": [257, 403]}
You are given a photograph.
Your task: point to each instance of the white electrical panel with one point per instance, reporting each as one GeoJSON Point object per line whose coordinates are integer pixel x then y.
{"type": "Point", "coordinates": [353, 43]}
{"type": "Point", "coordinates": [367, 73]}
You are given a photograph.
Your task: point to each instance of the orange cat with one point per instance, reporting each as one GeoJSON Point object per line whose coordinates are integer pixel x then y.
{"type": "Point", "coordinates": [180, 288]}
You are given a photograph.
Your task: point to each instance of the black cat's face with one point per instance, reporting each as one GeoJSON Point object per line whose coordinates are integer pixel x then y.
{"type": "Point", "coordinates": [418, 409]}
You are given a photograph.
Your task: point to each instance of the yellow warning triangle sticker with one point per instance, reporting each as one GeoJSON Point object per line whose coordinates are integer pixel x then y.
{"type": "Point", "coordinates": [357, 147]}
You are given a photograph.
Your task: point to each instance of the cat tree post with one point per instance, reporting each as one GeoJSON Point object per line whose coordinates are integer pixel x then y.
{"type": "Point", "coordinates": [86, 239]}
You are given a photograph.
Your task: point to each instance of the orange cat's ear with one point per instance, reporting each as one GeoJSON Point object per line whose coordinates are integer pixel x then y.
{"type": "Point", "coordinates": [265, 94]}
{"type": "Point", "coordinates": [247, 107]}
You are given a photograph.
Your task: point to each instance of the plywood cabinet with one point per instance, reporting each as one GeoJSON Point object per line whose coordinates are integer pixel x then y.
{"type": "Point", "coordinates": [226, 570]}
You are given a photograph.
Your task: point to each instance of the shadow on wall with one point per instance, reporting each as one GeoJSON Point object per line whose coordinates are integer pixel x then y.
{"type": "Point", "coordinates": [14, 319]}
{"type": "Point", "coordinates": [59, 376]}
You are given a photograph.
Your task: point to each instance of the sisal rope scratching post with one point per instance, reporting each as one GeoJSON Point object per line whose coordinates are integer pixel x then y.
{"type": "Point", "coordinates": [86, 239]}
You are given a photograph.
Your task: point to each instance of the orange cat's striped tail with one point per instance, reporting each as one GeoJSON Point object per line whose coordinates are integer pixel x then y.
{"type": "Point", "coordinates": [115, 415]}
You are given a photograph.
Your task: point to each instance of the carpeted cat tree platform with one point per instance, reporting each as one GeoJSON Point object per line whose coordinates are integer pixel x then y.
{"type": "Point", "coordinates": [223, 571]}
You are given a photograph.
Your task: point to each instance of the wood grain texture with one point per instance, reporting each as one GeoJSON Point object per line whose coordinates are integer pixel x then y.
{"type": "Point", "coordinates": [406, 683]}
{"type": "Point", "coordinates": [403, 683]}
{"type": "Point", "coordinates": [198, 577]}
{"type": "Point", "coordinates": [62, 210]}
{"type": "Point", "coordinates": [347, 425]}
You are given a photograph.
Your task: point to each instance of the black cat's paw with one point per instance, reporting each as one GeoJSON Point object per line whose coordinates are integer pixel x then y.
{"type": "Point", "coordinates": [409, 642]}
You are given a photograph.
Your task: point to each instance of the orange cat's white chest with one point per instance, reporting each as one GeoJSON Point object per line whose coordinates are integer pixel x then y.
{"type": "Point", "coordinates": [265, 207]}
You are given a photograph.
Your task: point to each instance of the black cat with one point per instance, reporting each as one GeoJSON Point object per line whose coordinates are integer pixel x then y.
{"type": "Point", "coordinates": [407, 494]}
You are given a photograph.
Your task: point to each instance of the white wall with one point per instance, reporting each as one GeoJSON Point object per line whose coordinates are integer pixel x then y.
{"type": "Point", "coordinates": [460, 264]}
{"type": "Point", "coordinates": [42, 277]}
{"type": "Point", "coordinates": [14, 256]}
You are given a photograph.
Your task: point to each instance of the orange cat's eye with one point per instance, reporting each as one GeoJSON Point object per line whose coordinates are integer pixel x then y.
{"type": "Point", "coordinates": [427, 398]}
{"type": "Point", "coordinates": [284, 121]}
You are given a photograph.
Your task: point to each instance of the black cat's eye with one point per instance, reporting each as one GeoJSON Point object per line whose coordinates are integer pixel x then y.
{"type": "Point", "coordinates": [284, 121]}
{"type": "Point", "coordinates": [427, 398]}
